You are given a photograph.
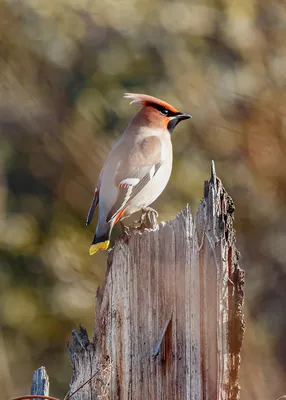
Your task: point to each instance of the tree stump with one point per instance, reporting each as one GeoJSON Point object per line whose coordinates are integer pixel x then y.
{"type": "Point", "coordinates": [169, 321]}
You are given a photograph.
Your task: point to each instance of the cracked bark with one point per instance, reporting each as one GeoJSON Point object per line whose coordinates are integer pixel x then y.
{"type": "Point", "coordinates": [169, 321]}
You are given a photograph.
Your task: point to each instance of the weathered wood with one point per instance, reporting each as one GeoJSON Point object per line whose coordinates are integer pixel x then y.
{"type": "Point", "coordinates": [40, 382]}
{"type": "Point", "coordinates": [169, 322]}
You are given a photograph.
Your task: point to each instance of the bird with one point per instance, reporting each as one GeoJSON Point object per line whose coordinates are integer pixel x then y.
{"type": "Point", "coordinates": [138, 167]}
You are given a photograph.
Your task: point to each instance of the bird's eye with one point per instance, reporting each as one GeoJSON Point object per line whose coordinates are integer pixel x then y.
{"type": "Point", "coordinates": [164, 112]}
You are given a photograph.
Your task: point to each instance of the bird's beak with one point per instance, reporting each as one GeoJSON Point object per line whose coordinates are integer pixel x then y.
{"type": "Point", "coordinates": [175, 120]}
{"type": "Point", "coordinates": [181, 117]}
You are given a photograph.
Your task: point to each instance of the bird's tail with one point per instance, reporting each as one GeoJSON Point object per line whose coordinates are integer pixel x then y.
{"type": "Point", "coordinates": [101, 240]}
{"type": "Point", "coordinates": [99, 243]}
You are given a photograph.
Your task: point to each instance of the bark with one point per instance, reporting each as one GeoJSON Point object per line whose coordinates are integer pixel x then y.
{"type": "Point", "coordinates": [169, 321]}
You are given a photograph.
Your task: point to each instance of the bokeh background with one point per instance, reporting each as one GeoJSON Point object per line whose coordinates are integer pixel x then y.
{"type": "Point", "coordinates": [64, 66]}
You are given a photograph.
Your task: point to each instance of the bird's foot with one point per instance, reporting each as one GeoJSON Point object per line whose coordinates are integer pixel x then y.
{"type": "Point", "coordinates": [125, 229]}
{"type": "Point", "coordinates": [125, 232]}
{"type": "Point", "coordinates": [148, 219]}
{"type": "Point", "coordinates": [150, 210]}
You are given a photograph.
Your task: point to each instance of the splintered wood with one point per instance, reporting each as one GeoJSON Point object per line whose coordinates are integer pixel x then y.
{"type": "Point", "coordinates": [169, 321]}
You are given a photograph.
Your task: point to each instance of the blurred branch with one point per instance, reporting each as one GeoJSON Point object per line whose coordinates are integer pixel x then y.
{"type": "Point", "coordinates": [30, 396]}
{"type": "Point", "coordinates": [40, 386]}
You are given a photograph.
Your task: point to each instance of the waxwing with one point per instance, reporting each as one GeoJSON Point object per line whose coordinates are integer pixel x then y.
{"type": "Point", "coordinates": [138, 167]}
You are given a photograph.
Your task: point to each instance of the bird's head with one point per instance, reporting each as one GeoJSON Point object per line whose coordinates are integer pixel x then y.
{"type": "Point", "coordinates": [155, 112]}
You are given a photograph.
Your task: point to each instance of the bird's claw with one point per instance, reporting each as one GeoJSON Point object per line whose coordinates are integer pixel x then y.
{"type": "Point", "coordinates": [125, 229]}
{"type": "Point", "coordinates": [148, 219]}
{"type": "Point", "coordinates": [150, 210]}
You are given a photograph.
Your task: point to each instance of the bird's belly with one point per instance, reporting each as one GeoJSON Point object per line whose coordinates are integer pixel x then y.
{"type": "Point", "coordinates": [151, 191]}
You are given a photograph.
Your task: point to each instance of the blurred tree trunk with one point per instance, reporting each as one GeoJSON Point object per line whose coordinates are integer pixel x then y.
{"type": "Point", "coordinates": [169, 322]}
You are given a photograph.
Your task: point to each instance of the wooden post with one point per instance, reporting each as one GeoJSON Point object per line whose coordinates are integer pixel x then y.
{"type": "Point", "coordinates": [40, 382]}
{"type": "Point", "coordinates": [169, 321]}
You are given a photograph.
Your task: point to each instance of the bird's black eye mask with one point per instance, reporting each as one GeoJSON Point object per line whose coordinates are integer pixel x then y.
{"type": "Point", "coordinates": [175, 116]}
{"type": "Point", "coordinates": [164, 111]}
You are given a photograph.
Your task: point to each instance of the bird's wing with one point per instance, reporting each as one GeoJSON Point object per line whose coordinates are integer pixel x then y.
{"type": "Point", "coordinates": [133, 176]}
{"type": "Point", "coordinates": [93, 206]}
{"type": "Point", "coordinates": [95, 200]}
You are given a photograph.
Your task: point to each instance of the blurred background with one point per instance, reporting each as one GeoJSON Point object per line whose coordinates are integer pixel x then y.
{"type": "Point", "coordinates": [64, 67]}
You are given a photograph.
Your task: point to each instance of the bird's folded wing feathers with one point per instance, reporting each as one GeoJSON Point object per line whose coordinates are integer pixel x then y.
{"type": "Point", "coordinates": [92, 207]}
{"type": "Point", "coordinates": [131, 181]}
{"type": "Point", "coordinates": [128, 189]}
{"type": "Point", "coordinates": [95, 199]}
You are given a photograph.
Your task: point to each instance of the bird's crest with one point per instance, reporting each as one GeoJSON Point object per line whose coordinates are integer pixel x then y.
{"type": "Point", "coordinates": [145, 100]}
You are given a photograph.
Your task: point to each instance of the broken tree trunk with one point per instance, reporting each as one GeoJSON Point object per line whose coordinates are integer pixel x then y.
{"type": "Point", "coordinates": [169, 322]}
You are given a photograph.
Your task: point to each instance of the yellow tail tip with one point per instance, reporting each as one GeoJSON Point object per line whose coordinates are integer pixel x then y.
{"type": "Point", "coordinates": [98, 246]}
